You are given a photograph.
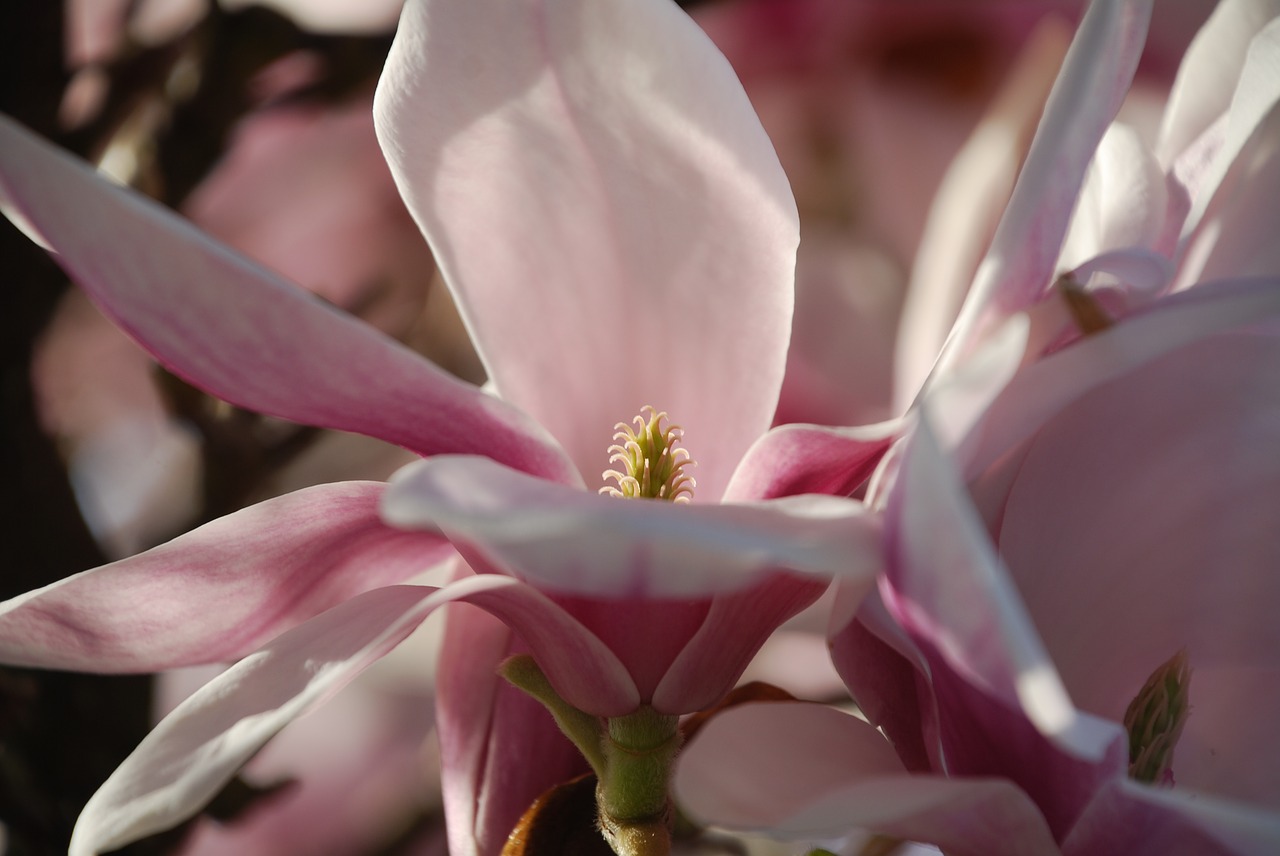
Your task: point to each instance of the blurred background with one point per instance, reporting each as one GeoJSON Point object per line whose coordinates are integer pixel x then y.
{"type": "Point", "coordinates": [253, 120]}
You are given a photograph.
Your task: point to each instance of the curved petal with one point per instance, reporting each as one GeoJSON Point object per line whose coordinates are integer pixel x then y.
{"type": "Point", "coordinates": [579, 543]}
{"type": "Point", "coordinates": [241, 333]}
{"type": "Point", "coordinates": [1209, 72]}
{"type": "Point", "coordinates": [1138, 820]}
{"type": "Point", "coordinates": [499, 748]}
{"type": "Point", "coordinates": [1255, 98]}
{"type": "Point", "coordinates": [809, 771]}
{"type": "Point", "coordinates": [1141, 522]}
{"type": "Point", "coordinates": [1122, 203]}
{"type": "Point", "coordinates": [736, 626]}
{"type": "Point", "coordinates": [198, 747]}
{"type": "Point", "coordinates": [194, 750]}
{"type": "Point", "coordinates": [1002, 708]}
{"type": "Point", "coordinates": [608, 210]}
{"type": "Point", "coordinates": [796, 459]}
{"type": "Point", "coordinates": [220, 591]}
{"type": "Point", "coordinates": [967, 207]}
{"type": "Point", "coordinates": [1019, 266]}
{"type": "Point", "coordinates": [1039, 390]}
{"type": "Point", "coordinates": [948, 587]}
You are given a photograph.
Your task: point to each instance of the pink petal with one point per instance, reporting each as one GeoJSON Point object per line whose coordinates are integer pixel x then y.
{"type": "Point", "coordinates": [735, 628]}
{"type": "Point", "coordinates": [800, 770]}
{"type": "Point", "coordinates": [1252, 110]}
{"type": "Point", "coordinates": [1094, 79]}
{"type": "Point", "coordinates": [220, 591]}
{"type": "Point", "coordinates": [967, 207]}
{"type": "Point", "coordinates": [587, 544]}
{"type": "Point", "coordinates": [1208, 74]}
{"type": "Point", "coordinates": [796, 459]}
{"type": "Point", "coordinates": [1043, 388]}
{"type": "Point", "coordinates": [197, 748]}
{"type": "Point", "coordinates": [949, 588]}
{"type": "Point", "coordinates": [500, 749]}
{"type": "Point", "coordinates": [1137, 820]}
{"type": "Point", "coordinates": [608, 210]}
{"type": "Point", "coordinates": [1141, 522]}
{"type": "Point", "coordinates": [194, 750]}
{"type": "Point", "coordinates": [241, 333]}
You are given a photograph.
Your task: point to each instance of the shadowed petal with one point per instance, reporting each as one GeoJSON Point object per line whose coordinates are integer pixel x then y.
{"type": "Point", "coordinates": [580, 543]}
{"type": "Point", "coordinates": [1139, 820]}
{"type": "Point", "coordinates": [808, 771]}
{"type": "Point", "coordinates": [242, 333]}
{"type": "Point", "coordinates": [1094, 79]}
{"type": "Point", "coordinates": [220, 591]}
{"type": "Point", "coordinates": [199, 746]}
{"type": "Point", "coordinates": [500, 749]}
{"type": "Point", "coordinates": [608, 210]}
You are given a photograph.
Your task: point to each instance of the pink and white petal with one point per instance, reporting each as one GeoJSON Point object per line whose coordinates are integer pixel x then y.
{"type": "Point", "coordinates": [1019, 266]}
{"type": "Point", "coordinates": [1209, 72]}
{"type": "Point", "coordinates": [238, 331]}
{"type": "Point", "coordinates": [499, 748]}
{"type": "Point", "coordinates": [736, 626]}
{"type": "Point", "coordinates": [948, 589]}
{"type": "Point", "coordinates": [1139, 820]}
{"type": "Point", "coordinates": [199, 746]}
{"type": "Point", "coordinates": [1099, 522]}
{"type": "Point", "coordinates": [807, 771]}
{"type": "Point", "coordinates": [207, 738]}
{"type": "Point", "coordinates": [608, 210]}
{"type": "Point", "coordinates": [1256, 97]}
{"type": "Point", "coordinates": [795, 459]}
{"type": "Point", "coordinates": [967, 208]}
{"type": "Point", "coordinates": [1240, 234]}
{"type": "Point", "coordinates": [220, 591]}
{"type": "Point", "coordinates": [887, 676]}
{"type": "Point", "coordinates": [1123, 201]}
{"type": "Point", "coordinates": [1042, 388]}
{"type": "Point", "coordinates": [580, 543]}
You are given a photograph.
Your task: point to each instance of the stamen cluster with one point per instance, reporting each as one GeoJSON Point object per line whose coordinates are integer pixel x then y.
{"type": "Point", "coordinates": [652, 460]}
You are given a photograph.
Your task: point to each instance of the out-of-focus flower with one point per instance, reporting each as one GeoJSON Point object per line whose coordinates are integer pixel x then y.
{"type": "Point", "coordinates": [591, 288]}
{"type": "Point", "coordinates": [1079, 531]}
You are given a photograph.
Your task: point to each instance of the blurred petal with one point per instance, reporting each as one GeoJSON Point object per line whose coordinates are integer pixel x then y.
{"type": "Point", "coordinates": [1131, 818]}
{"type": "Point", "coordinates": [967, 208]}
{"type": "Point", "coordinates": [1095, 76]}
{"type": "Point", "coordinates": [608, 209]}
{"type": "Point", "coordinates": [239, 332]}
{"type": "Point", "coordinates": [1256, 96]}
{"type": "Point", "coordinates": [220, 591]}
{"type": "Point", "coordinates": [809, 771]}
{"type": "Point", "coordinates": [580, 543]}
{"type": "Point", "coordinates": [197, 748]}
{"type": "Point", "coordinates": [1209, 72]}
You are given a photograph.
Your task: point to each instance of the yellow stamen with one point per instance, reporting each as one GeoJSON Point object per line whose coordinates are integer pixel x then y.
{"type": "Point", "coordinates": [652, 460]}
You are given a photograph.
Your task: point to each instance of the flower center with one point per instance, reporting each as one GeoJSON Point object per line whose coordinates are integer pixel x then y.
{"type": "Point", "coordinates": [1155, 718]}
{"type": "Point", "coordinates": [652, 461]}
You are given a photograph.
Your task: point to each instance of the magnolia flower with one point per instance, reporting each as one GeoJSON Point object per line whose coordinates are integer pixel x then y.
{"type": "Point", "coordinates": [617, 233]}
{"type": "Point", "coordinates": [1073, 650]}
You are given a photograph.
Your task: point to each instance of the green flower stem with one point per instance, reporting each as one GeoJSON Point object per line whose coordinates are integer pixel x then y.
{"type": "Point", "coordinates": [638, 755]}
{"type": "Point", "coordinates": [584, 730]}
